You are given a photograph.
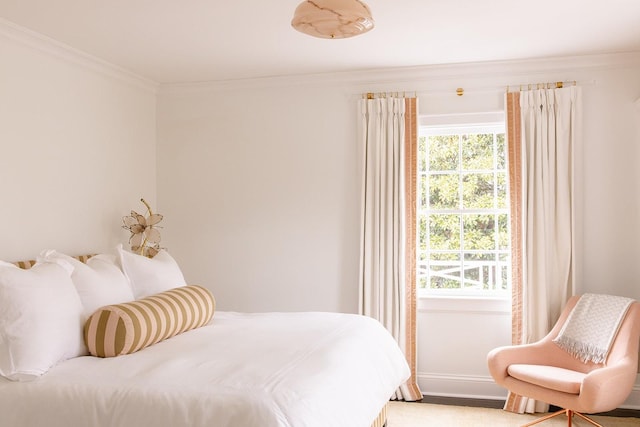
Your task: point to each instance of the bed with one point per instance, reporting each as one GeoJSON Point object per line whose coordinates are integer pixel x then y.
{"type": "Point", "coordinates": [237, 370]}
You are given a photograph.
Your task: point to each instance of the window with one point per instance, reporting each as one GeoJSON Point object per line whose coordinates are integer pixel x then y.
{"type": "Point", "coordinates": [463, 244]}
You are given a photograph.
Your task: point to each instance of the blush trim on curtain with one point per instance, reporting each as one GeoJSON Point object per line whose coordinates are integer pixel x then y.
{"type": "Point", "coordinates": [515, 403]}
{"type": "Point", "coordinates": [514, 154]}
{"type": "Point", "coordinates": [411, 182]}
{"type": "Point", "coordinates": [386, 290]}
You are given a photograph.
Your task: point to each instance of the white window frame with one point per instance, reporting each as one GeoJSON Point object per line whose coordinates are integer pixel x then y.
{"type": "Point", "coordinates": [460, 124]}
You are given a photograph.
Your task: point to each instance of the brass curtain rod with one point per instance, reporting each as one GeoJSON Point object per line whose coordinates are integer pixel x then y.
{"type": "Point", "coordinates": [461, 91]}
{"type": "Point", "coordinates": [547, 85]}
{"type": "Point", "coordinates": [372, 95]}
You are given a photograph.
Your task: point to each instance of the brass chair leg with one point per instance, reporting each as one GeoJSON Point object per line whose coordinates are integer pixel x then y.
{"type": "Point", "coordinates": [569, 414]}
{"type": "Point", "coordinates": [587, 419]}
{"type": "Point", "coordinates": [546, 417]}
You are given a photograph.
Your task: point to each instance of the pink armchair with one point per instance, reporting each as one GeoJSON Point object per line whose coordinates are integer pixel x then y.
{"type": "Point", "coordinates": [545, 372]}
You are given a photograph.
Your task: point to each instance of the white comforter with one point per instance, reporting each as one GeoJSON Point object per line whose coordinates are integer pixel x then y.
{"type": "Point", "coordinates": [242, 370]}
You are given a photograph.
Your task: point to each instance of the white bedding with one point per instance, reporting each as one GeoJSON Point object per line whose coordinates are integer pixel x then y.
{"type": "Point", "coordinates": [242, 370]}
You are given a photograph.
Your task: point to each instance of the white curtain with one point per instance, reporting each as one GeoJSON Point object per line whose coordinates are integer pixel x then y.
{"type": "Point", "coordinates": [382, 246]}
{"type": "Point", "coordinates": [550, 123]}
{"type": "Point", "coordinates": [382, 213]}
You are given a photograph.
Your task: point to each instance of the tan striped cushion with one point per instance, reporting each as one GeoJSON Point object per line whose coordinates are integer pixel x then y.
{"type": "Point", "coordinates": [126, 328]}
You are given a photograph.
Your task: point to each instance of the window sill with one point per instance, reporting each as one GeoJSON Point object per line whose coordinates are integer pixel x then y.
{"type": "Point", "coordinates": [492, 304]}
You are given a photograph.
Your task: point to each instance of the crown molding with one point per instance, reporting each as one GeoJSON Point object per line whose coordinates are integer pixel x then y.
{"type": "Point", "coordinates": [49, 46]}
{"type": "Point", "coordinates": [504, 68]}
{"type": "Point", "coordinates": [425, 78]}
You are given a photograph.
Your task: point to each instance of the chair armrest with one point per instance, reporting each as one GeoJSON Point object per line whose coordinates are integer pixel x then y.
{"type": "Point", "coordinates": [608, 387]}
{"type": "Point", "coordinates": [500, 358]}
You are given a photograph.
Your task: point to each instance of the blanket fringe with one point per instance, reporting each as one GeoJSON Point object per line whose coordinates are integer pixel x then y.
{"type": "Point", "coordinates": [584, 351]}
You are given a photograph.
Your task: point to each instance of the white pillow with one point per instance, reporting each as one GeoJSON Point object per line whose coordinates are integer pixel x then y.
{"type": "Point", "coordinates": [149, 276]}
{"type": "Point", "coordinates": [99, 282]}
{"type": "Point", "coordinates": [40, 319]}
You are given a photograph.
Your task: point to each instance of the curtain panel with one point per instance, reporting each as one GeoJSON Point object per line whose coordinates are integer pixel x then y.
{"type": "Point", "coordinates": [542, 133]}
{"type": "Point", "coordinates": [388, 142]}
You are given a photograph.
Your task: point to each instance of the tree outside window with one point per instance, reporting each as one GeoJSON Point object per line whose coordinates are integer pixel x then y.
{"type": "Point", "coordinates": [463, 211]}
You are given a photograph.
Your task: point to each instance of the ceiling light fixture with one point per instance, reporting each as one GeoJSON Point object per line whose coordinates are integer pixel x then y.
{"type": "Point", "coordinates": [332, 19]}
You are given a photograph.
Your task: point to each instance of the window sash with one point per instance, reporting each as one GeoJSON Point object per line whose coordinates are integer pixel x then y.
{"type": "Point", "coordinates": [479, 272]}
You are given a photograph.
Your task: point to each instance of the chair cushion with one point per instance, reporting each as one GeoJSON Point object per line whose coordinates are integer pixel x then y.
{"type": "Point", "coordinates": [551, 377]}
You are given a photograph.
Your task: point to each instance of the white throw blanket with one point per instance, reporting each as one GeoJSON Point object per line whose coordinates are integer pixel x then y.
{"type": "Point", "coordinates": [592, 325]}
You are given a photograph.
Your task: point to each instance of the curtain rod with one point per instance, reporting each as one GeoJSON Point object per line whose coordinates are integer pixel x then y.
{"type": "Point", "coordinates": [461, 91]}
{"type": "Point", "coordinates": [545, 85]}
{"type": "Point", "coordinates": [373, 95]}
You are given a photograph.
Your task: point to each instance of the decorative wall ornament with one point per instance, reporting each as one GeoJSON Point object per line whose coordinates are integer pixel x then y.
{"type": "Point", "coordinates": [145, 236]}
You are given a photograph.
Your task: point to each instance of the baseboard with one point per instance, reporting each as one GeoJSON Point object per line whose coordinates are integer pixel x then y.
{"type": "Point", "coordinates": [498, 404]}
{"type": "Point", "coordinates": [458, 401]}
{"type": "Point", "coordinates": [460, 386]}
{"type": "Point", "coordinates": [470, 388]}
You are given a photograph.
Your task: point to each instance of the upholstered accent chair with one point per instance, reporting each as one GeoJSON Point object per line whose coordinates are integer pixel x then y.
{"type": "Point", "coordinates": [547, 373]}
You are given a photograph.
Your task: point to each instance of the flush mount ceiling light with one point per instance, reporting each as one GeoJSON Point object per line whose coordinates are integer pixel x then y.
{"type": "Point", "coordinates": [332, 19]}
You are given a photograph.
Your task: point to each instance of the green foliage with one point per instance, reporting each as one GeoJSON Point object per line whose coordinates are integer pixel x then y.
{"type": "Point", "coordinates": [479, 232]}
{"type": "Point", "coordinates": [501, 151]}
{"type": "Point", "coordinates": [444, 232]}
{"type": "Point", "coordinates": [477, 191]}
{"type": "Point", "coordinates": [444, 191]}
{"type": "Point", "coordinates": [443, 152]}
{"type": "Point", "coordinates": [477, 152]}
{"type": "Point", "coordinates": [463, 180]}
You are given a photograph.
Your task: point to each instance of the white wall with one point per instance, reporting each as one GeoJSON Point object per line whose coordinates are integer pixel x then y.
{"type": "Point", "coordinates": [259, 181]}
{"type": "Point", "coordinates": [77, 148]}
{"type": "Point", "coordinates": [259, 191]}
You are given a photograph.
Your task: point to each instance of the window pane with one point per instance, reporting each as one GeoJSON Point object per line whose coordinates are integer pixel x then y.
{"type": "Point", "coordinates": [501, 152]}
{"type": "Point", "coordinates": [443, 192]}
{"type": "Point", "coordinates": [477, 152]}
{"type": "Point", "coordinates": [422, 154]}
{"type": "Point", "coordinates": [444, 270]}
{"type": "Point", "coordinates": [422, 192]}
{"type": "Point", "coordinates": [505, 268]}
{"type": "Point", "coordinates": [480, 271]}
{"type": "Point", "coordinates": [503, 232]}
{"type": "Point", "coordinates": [444, 232]}
{"type": "Point", "coordinates": [477, 189]}
{"type": "Point", "coordinates": [502, 190]}
{"type": "Point", "coordinates": [479, 232]}
{"type": "Point", "coordinates": [463, 210]}
{"type": "Point", "coordinates": [423, 234]}
{"type": "Point", "coordinates": [423, 281]}
{"type": "Point", "coordinates": [443, 153]}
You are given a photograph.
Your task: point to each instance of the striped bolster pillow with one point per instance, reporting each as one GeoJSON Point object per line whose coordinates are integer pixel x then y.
{"type": "Point", "coordinates": [125, 328]}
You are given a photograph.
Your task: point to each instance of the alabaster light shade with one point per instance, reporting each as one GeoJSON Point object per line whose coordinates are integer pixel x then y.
{"type": "Point", "coordinates": [332, 19]}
